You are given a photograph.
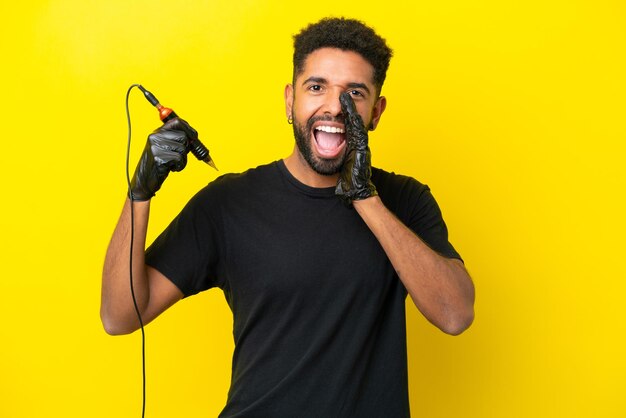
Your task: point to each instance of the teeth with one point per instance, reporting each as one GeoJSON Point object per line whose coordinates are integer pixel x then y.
{"type": "Point", "coordinates": [330, 129]}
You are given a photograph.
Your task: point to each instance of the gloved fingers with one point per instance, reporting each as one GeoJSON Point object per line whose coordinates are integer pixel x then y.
{"type": "Point", "coordinates": [169, 148]}
{"type": "Point", "coordinates": [355, 129]}
{"type": "Point", "coordinates": [171, 160]}
{"type": "Point", "coordinates": [178, 124]}
{"type": "Point", "coordinates": [166, 150]}
{"type": "Point", "coordinates": [347, 106]}
{"type": "Point", "coordinates": [168, 139]}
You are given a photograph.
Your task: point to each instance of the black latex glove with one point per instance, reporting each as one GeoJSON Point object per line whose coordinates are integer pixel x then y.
{"type": "Point", "coordinates": [355, 178]}
{"type": "Point", "coordinates": [166, 150]}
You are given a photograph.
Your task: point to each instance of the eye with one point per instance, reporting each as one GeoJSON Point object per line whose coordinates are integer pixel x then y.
{"type": "Point", "coordinates": [315, 87]}
{"type": "Point", "coordinates": [355, 93]}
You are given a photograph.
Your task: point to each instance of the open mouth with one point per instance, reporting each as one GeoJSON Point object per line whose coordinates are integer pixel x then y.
{"type": "Point", "coordinates": [329, 140]}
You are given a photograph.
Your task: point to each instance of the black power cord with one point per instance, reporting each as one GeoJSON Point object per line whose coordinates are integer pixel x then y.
{"type": "Point", "coordinates": [201, 152]}
{"type": "Point", "coordinates": [130, 259]}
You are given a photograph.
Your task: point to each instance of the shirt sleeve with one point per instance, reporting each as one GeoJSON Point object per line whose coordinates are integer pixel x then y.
{"type": "Point", "coordinates": [426, 220]}
{"type": "Point", "coordinates": [187, 251]}
{"type": "Point", "coordinates": [413, 203]}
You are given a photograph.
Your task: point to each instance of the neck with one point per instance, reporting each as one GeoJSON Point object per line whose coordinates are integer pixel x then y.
{"type": "Point", "coordinates": [300, 169]}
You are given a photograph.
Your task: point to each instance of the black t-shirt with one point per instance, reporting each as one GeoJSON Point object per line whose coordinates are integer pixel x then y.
{"type": "Point", "coordinates": [319, 313]}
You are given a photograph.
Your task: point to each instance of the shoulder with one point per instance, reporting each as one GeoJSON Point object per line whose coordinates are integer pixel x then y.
{"type": "Point", "coordinates": [234, 183]}
{"type": "Point", "coordinates": [403, 195]}
{"type": "Point", "coordinates": [392, 184]}
{"type": "Point", "coordinates": [260, 173]}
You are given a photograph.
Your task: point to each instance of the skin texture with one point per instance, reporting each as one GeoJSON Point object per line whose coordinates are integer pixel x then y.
{"type": "Point", "coordinates": [154, 292]}
{"type": "Point", "coordinates": [314, 96]}
{"type": "Point", "coordinates": [440, 287]}
{"type": "Point", "coordinates": [323, 166]}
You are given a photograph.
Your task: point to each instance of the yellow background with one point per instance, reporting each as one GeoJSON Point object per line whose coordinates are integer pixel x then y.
{"type": "Point", "coordinates": [513, 113]}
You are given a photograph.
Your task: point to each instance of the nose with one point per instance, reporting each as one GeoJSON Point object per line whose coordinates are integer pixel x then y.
{"type": "Point", "coordinates": [331, 105]}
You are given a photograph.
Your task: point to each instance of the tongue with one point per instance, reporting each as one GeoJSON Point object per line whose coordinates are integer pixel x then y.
{"type": "Point", "coordinates": [328, 141]}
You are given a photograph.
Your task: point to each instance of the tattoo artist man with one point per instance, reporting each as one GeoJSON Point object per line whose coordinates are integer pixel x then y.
{"type": "Point", "coordinates": [315, 253]}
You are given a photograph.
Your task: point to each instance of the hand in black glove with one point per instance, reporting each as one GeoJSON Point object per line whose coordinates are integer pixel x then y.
{"type": "Point", "coordinates": [355, 178]}
{"type": "Point", "coordinates": [166, 150]}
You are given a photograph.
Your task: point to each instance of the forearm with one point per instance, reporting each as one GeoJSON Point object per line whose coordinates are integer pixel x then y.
{"type": "Point", "coordinates": [117, 310]}
{"type": "Point", "coordinates": [440, 287]}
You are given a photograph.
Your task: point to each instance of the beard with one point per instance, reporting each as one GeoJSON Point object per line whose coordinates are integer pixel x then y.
{"type": "Point", "coordinates": [304, 138]}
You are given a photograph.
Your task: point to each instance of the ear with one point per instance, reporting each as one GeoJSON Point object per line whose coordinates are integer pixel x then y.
{"type": "Point", "coordinates": [377, 111]}
{"type": "Point", "coordinates": [289, 100]}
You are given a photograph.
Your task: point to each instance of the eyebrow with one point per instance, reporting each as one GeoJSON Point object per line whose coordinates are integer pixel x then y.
{"type": "Point", "coordinates": [312, 79]}
{"type": "Point", "coordinates": [322, 80]}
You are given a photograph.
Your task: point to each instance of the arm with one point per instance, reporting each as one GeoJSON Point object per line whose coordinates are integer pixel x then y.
{"type": "Point", "coordinates": [165, 151]}
{"type": "Point", "coordinates": [153, 291]}
{"type": "Point", "coordinates": [440, 287]}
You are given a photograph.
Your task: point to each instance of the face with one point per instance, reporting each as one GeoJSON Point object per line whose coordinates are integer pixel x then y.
{"type": "Point", "coordinates": [313, 104]}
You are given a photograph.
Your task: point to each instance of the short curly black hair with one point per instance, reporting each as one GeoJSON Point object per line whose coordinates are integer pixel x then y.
{"type": "Point", "coordinates": [345, 34]}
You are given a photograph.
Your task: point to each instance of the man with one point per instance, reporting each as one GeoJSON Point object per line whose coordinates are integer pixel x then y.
{"type": "Point", "coordinates": [315, 253]}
